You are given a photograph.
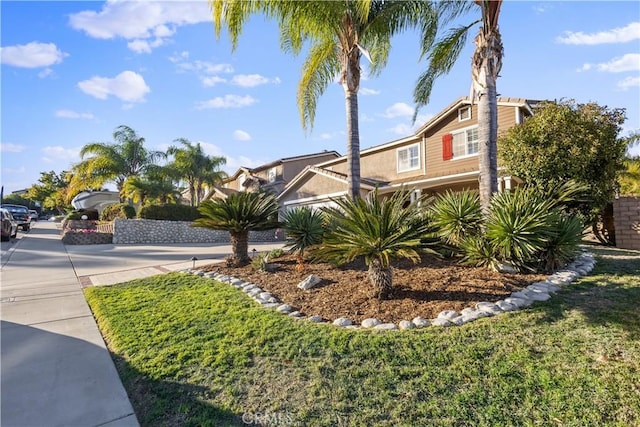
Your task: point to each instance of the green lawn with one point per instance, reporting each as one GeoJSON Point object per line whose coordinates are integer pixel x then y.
{"type": "Point", "coordinates": [194, 352]}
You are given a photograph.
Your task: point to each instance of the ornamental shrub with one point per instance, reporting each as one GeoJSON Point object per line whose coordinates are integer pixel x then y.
{"type": "Point", "coordinates": [170, 212]}
{"type": "Point", "coordinates": [118, 210]}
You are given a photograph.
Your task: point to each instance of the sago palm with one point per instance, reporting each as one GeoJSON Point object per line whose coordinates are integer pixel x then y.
{"type": "Point", "coordinates": [377, 230]}
{"type": "Point", "coordinates": [238, 214]}
{"type": "Point", "coordinates": [337, 34]}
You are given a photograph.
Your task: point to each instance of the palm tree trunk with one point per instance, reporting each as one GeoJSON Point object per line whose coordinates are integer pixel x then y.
{"type": "Point", "coordinates": [381, 278]}
{"type": "Point", "coordinates": [351, 84]}
{"type": "Point", "coordinates": [487, 62]}
{"type": "Point", "coordinates": [240, 247]}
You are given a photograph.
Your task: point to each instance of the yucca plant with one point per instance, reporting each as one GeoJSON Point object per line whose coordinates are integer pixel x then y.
{"type": "Point", "coordinates": [479, 252]}
{"type": "Point", "coordinates": [377, 230]}
{"type": "Point", "coordinates": [304, 228]}
{"type": "Point", "coordinates": [456, 215]}
{"type": "Point", "coordinates": [238, 214]}
{"type": "Point", "coordinates": [566, 233]}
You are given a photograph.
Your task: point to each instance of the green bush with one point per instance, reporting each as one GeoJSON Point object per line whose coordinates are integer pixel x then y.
{"type": "Point", "coordinates": [91, 214]}
{"type": "Point", "coordinates": [118, 210]}
{"type": "Point", "coordinates": [170, 212]}
{"type": "Point", "coordinates": [304, 228]}
{"type": "Point", "coordinates": [456, 215]}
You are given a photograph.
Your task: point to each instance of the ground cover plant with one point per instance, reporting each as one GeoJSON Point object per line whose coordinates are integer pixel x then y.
{"type": "Point", "coordinates": [195, 352]}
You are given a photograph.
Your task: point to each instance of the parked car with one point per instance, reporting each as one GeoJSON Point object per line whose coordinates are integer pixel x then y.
{"type": "Point", "coordinates": [21, 215]}
{"type": "Point", "coordinates": [9, 225]}
{"type": "Point", "coordinates": [33, 215]}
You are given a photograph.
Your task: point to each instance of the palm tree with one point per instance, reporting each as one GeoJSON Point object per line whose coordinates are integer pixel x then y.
{"type": "Point", "coordinates": [339, 34]}
{"type": "Point", "coordinates": [377, 230]}
{"type": "Point", "coordinates": [238, 214]}
{"type": "Point", "coordinates": [485, 67]}
{"type": "Point", "coordinates": [113, 162]}
{"type": "Point", "coordinates": [630, 177]}
{"type": "Point", "coordinates": [196, 168]}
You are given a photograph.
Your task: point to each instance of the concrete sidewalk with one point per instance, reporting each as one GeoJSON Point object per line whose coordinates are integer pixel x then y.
{"type": "Point", "coordinates": [56, 369]}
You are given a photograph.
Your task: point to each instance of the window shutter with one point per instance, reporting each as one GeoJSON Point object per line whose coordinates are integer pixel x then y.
{"type": "Point", "coordinates": [447, 146]}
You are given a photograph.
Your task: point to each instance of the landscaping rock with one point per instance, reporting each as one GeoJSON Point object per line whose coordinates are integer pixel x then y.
{"type": "Point", "coordinates": [309, 282]}
{"type": "Point", "coordinates": [507, 269]}
{"type": "Point", "coordinates": [296, 314]}
{"type": "Point", "coordinates": [315, 319]}
{"type": "Point", "coordinates": [386, 327]}
{"type": "Point", "coordinates": [370, 323]}
{"type": "Point", "coordinates": [519, 302]}
{"type": "Point", "coordinates": [405, 324]}
{"type": "Point", "coordinates": [439, 321]}
{"type": "Point", "coordinates": [285, 308]}
{"type": "Point", "coordinates": [505, 306]}
{"type": "Point", "coordinates": [265, 295]}
{"type": "Point", "coordinates": [448, 314]}
{"type": "Point", "coordinates": [342, 321]}
{"type": "Point", "coordinates": [273, 299]}
{"type": "Point", "coordinates": [489, 307]}
{"type": "Point", "coordinates": [271, 305]}
{"type": "Point", "coordinates": [420, 322]}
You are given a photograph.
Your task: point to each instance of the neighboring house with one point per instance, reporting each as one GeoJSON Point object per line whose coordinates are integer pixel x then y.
{"type": "Point", "coordinates": [273, 176]}
{"type": "Point", "coordinates": [440, 155]}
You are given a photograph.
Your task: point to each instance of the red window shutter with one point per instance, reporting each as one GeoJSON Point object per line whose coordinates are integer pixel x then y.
{"type": "Point", "coordinates": [447, 146]}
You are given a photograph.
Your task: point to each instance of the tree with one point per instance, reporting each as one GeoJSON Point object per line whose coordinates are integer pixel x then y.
{"type": "Point", "coordinates": [566, 141]}
{"type": "Point", "coordinates": [485, 67]}
{"type": "Point", "coordinates": [51, 191]}
{"type": "Point", "coordinates": [116, 162]}
{"type": "Point", "coordinates": [196, 168]}
{"type": "Point", "coordinates": [238, 214]}
{"type": "Point", "coordinates": [338, 33]}
{"type": "Point", "coordinates": [377, 230]}
{"type": "Point", "coordinates": [630, 177]}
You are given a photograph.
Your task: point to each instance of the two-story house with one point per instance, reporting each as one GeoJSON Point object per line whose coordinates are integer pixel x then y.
{"type": "Point", "coordinates": [442, 154]}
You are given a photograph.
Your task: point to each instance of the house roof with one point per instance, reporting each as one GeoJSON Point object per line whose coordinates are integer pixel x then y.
{"type": "Point", "coordinates": [366, 183]}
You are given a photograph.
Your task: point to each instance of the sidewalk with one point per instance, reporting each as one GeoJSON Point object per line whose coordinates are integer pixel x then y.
{"type": "Point", "coordinates": [56, 369]}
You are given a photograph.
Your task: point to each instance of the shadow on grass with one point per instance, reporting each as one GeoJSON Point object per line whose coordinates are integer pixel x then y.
{"type": "Point", "coordinates": [171, 404]}
{"type": "Point", "coordinates": [610, 295]}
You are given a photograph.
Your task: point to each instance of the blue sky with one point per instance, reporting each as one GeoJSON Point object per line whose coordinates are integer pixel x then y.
{"type": "Point", "coordinates": [74, 71]}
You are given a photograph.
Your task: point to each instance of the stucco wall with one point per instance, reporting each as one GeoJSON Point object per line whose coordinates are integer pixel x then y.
{"type": "Point", "coordinates": [626, 214]}
{"type": "Point", "coordinates": [147, 231]}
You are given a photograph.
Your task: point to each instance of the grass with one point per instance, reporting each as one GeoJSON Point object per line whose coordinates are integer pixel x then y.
{"type": "Point", "coordinates": [195, 352]}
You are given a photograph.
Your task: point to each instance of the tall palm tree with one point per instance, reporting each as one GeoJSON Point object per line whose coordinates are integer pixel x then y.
{"type": "Point", "coordinates": [485, 67]}
{"type": "Point", "coordinates": [378, 231]}
{"type": "Point", "coordinates": [238, 214]}
{"type": "Point", "coordinates": [198, 169]}
{"type": "Point", "coordinates": [116, 162]}
{"type": "Point", "coordinates": [338, 34]}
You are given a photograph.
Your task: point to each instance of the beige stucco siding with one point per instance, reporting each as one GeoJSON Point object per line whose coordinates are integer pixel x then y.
{"type": "Point", "coordinates": [314, 186]}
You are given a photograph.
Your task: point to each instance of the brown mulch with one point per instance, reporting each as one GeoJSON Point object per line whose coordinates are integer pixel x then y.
{"type": "Point", "coordinates": [423, 289]}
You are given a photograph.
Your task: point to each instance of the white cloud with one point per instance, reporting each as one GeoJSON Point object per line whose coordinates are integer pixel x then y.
{"type": "Point", "coordinates": [212, 81]}
{"type": "Point", "coordinates": [401, 129]}
{"type": "Point", "coordinates": [325, 136]}
{"type": "Point", "coordinates": [627, 62]}
{"type": "Point", "coordinates": [68, 114]}
{"type": "Point", "coordinates": [617, 35]}
{"type": "Point", "coordinates": [45, 73]}
{"type": "Point", "coordinates": [629, 82]}
{"type": "Point", "coordinates": [127, 86]}
{"type": "Point", "coordinates": [399, 109]}
{"type": "Point", "coordinates": [228, 101]}
{"type": "Point", "coordinates": [144, 46]}
{"type": "Point", "coordinates": [32, 55]}
{"type": "Point", "coordinates": [541, 8]}
{"type": "Point", "coordinates": [366, 91]}
{"type": "Point", "coordinates": [179, 56]}
{"type": "Point", "coordinates": [252, 80]}
{"type": "Point", "coordinates": [57, 153]}
{"type": "Point", "coordinates": [137, 20]}
{"type": "Point", "coordinates": [422, 119]}
{"type": "Point", "coordinates": [233, 163]}
{"type": "Point", "coordinates": [240, 135]}
{"type": "Point", "coordinates": [6, 147]}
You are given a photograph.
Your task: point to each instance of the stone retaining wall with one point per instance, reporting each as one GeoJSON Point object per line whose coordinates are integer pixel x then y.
{"type": "Point", "coordinates": [626, 214]}
{"type": "Point", "coordinates": [71, 237]}
{"type": "Point", "coordinates": [148, 231]}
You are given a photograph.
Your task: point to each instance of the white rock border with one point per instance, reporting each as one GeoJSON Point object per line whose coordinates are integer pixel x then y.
{"type": "Point", "coordinates": [538, 291]}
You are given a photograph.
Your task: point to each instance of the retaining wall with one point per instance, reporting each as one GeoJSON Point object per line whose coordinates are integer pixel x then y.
{"type": "Point", "coordinates": [626, 215]}
{"type": "Point", "coordinates": [148, 231]}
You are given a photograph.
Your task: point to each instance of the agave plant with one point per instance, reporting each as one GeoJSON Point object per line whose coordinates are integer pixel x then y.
{"type": "Point", "coordinates": [456, 215]}
{"type": "Point", "coordinates": [377, 230]}
{"type": "Point", "coordinates": [238, 214]}
{"type": "Point", "coordinates": [566, 233]}
{"type": "Point", "coordinates": [304, 228]}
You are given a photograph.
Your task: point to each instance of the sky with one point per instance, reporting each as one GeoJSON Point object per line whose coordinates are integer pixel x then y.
{"type": "Point", "coordinates": [72, 72]}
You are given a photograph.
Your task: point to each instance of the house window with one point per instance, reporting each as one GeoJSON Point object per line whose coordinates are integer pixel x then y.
{"type": "Point", "coordinates": [409, 158]}
{"type": "Point", "coordinates": [465, 143]}
{"type": "Point", "coordinates": [271, 175]}
{"type": "Point", "coordinates": [464, 113]}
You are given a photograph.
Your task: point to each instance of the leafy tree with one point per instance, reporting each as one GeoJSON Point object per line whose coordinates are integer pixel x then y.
{"type": "Point", "coordinates": [51, 191]}
{"type": "Point", "coordinates": [377, 230]}
{"type": "Point", "coordinates": [337, 34]}
{"type": "Point", "coordinates": [238, 214]}
{"type": "Point", "coordinates": [566, 141]}
{"type": "Point", "coordinates": [155, 186]}
{"type": "Point", "coordinates": [630, 177]}
{"type": "Point", "coordinates": [103, 162]}
{"type": "Point", "coordinates": [485, 68]}
{"type": "Point", "coordinates": [196, 168]}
